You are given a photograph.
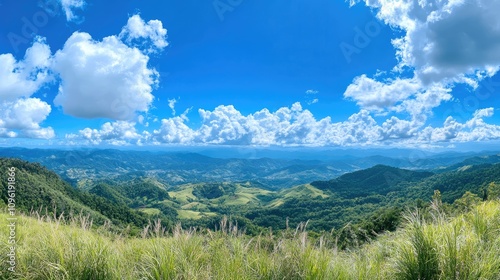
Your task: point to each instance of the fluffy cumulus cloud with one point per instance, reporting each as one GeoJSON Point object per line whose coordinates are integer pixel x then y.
{"type": "Point", "coordinates": [287, 126]}
{"type": "Point", "coordinates": [117, 133]}
{"type": "Point", "coordinates": [20, 114]}
{"type": "Point", "coordinates": [444, 40]}
{"type": "Point", "coordinates": [379, 96]}
{"type": "Point", "coordinates": [443, 43]}
{"type": "Point", "coordinates": [174, 130]}
{"type": "Point", "coordinates": [23, 117]}
{"type": "Point", "coordinates": [69, 7]}
{"type": "Point", "coordinates": [293, 126]}
{"type": "Point", "coordinates": [475, 129]}
{"type": "Point", "coordinates": [105, 79]}
{"type": "Point", "coordinates": [397, 95]}
{"type": "Point", "coordinates": [25, 77]}
{"type": "Point", "coordinates": [150, 34]}
{"type": "Point", "coordinates": [97, 79]}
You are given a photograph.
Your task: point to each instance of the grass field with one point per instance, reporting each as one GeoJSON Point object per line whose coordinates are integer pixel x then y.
{"type": "Point", "coordinates": [150, 211]}
{"type": "Point", "coordinates": [243, 194]}
{"type": "Point", "coordinates": [183, 195]}
{"type": "Point", "coordinates": [439, 247]}
{"type": "Point", "coordinates": [304, 190]}
{"type": "Point", "coordinates": [193, 215]}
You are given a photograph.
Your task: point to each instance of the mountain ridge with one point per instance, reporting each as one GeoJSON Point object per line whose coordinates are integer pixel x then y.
{"type": "Point", "coordinates": [81, 167]}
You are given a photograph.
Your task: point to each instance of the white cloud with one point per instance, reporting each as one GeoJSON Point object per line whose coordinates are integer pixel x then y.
{"type": "Point", "coordinates": [24, 113]}
{"type": "Point", "coordinates": [5, 133]}
{"type": "Point", "coordinates": [484, 113]}
{"type": "Point", "coordinates": [108, 79]}
{"type": "Point", "coordinates": [293, 126]}
{"type": "Point", "coordinates": [98, 79]}
{"type": "Point", "coordinates": [443, 43]}
{"type": "Point", "coordinates": [475, 129]}
{"type": "Point", "coordinates": [422, 103]}
{"type": "Point", "coordinates": [40, 133]}
{"type": "Point", "coordinates": [359, 129]}
{"type": "Point", "coordinates": [174, 130]}
{"type": "Point", "coordinates": [312, 91]}
{"type": "Point", "coordinates": [397, 95]}
{"type": "Point", "coordinates": [153, 31]}
{"type": "Point", "coordinates": [378, 96]}
{"type": "Point", "coordinates": [444, 40]}
{"type": "Point", "coordinates": [448, 132]}
{"type": "Point", "coordinates": [21, 115]}
{"type": "Point", "coordinates": [285, 127]}
{"type": "Point", "coordinates": [24, 78]}
{"type": "Point", "coordinates": [103, 79]}
{"type": "Point", "coordinates": [171, 105]}
{"type": "Point", "coordinates": [224, 124]}
{"type": "Point", "coordinates": [69, 6]}
{"type": "Point", "coordinates": [297, 127]}
{"type": "Point", "coordinates": [117, 133]}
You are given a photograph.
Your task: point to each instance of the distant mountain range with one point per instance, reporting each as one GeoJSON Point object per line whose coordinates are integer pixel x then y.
{"type": "Point", "coordinates": [82, 167]}
{"type": "Point", "coordinates": [133, 200]}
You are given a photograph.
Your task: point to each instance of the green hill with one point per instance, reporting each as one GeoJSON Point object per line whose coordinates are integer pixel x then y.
{"type": "Point", "coordinates": [38, 189]}
{"type": "Point", "coordinates": [379, 179]}
{"type": "Point", "coordinates": [455, 183]}
{"type": "Point", "coordinates": [352, 198]}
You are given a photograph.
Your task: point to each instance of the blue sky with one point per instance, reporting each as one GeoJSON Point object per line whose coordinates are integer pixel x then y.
{"type": "Point", "coordinates": [248, 73]}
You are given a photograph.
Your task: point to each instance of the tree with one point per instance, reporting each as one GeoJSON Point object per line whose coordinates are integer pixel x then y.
{"type": "Point", "coordinates": [493, 191]}
{"type": "Point", "coordinates": [467, 201]}
{"type": "Point", "coordinates": [437, 199]}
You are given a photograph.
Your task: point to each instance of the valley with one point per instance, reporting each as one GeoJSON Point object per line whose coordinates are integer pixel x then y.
{"type": "Point", "coordinates": [259, 193]}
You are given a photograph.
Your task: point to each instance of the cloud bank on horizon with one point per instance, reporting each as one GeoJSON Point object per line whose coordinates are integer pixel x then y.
{"type": "Point", "coordinates": [443, 45]}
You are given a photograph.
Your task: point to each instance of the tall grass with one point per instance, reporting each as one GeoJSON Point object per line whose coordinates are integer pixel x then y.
{"type": "Point", "coordinates": [461, 247]}
{"type": "Point", "coordinates": [417, 254]}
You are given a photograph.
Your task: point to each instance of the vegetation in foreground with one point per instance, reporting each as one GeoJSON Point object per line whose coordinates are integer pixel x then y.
{"type": "Point", "coordinates": [429, 245]}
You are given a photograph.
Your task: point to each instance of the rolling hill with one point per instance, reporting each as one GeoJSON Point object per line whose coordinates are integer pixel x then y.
{"type": "Point", "coordinates": [350, 198]}
{"type": "Point", "coordinates": [379, 179]}
{"type": "Point", "coordinates": [82, 167]}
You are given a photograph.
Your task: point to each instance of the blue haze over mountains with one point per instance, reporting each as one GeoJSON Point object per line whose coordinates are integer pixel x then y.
{"type": "Point", "coordinates": [272, 169]}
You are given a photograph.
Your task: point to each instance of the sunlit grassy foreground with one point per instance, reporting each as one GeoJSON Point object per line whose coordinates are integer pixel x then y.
{"type": "Point", "coordinates": [464, 247]}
